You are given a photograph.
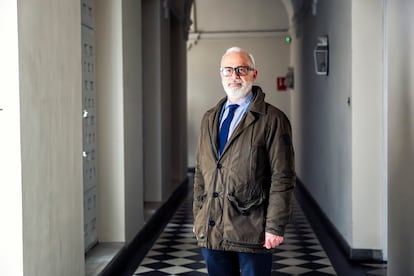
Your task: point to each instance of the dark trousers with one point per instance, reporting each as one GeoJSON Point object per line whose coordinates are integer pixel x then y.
{"type": "Point", "coordinates": [228, 263]}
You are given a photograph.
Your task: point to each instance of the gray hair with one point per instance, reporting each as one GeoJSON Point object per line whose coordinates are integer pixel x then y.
{"type": "Point", "coordinates": [239, 50]}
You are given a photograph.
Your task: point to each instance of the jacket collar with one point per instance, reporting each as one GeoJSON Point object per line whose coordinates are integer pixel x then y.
{"type": "Point", "coordinates": [258, 104]}
{"type": "Point", "coordinates": [257, 108]}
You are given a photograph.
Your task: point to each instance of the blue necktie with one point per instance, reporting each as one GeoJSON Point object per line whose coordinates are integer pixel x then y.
{"type": "Point", "coordinates": [224, 130]}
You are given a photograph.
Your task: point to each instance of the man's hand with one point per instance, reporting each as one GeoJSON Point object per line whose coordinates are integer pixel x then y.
{"type": "Point", "coordinates": [272, 241]}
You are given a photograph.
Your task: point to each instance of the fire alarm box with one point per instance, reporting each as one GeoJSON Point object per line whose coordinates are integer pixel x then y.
{"type": "Point", "coordinates": [281, 84]}
{"type": "Point", "coordinates": [321, 56]}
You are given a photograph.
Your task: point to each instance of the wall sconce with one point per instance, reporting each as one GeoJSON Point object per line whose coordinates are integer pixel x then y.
{"type": "Point", "coordinates": [321, 56]}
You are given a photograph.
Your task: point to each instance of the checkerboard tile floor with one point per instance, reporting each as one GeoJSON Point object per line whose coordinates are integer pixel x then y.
{"type": "Point", "coordinates": [175, 251]}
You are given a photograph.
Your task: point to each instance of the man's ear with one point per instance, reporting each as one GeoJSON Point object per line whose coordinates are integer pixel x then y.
{"type": "Point", "coordinates": [255, 74]}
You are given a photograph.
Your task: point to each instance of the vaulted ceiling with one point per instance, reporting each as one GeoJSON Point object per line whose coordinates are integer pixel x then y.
{"type": "Point", "coordinates": [221, 16]}
{"type": "Point", "coordinates": [246, 16]}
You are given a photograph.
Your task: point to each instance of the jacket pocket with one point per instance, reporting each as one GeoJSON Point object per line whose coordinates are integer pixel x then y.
{"type": "Point", "coordinates": [244, 207]}
{"type": "Point", "coordinates": [199, 201]}
{"type": "Point", "coordinates": [200, 217]}
{"type": "Point", "coordinates": [244, 221]}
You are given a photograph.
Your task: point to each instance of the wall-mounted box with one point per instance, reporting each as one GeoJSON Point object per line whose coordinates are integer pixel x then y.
{"type": "Point", "coordinates": [321, 56]}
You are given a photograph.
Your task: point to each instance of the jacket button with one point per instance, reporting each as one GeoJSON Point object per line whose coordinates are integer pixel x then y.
{"type": "Point", "coordinates": [212, 223]}
{"type": "Point", "coordinates": [219, 166]}
{"type": "Point", "coordinates": [215, 194]}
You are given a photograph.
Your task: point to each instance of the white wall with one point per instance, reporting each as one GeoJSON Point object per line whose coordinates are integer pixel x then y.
{"type": "Point", "coordinates": [151, 49]}
{"type": "Point", "coordinates": [134, 114]}
{"type": "Point", "coordinates": [400, 137]}
{"type": "Point", "coordinates": [321, 116]}
{"type": "Point", "coordinates": [133, 125]}
{"type": "Point", "coordinates": [340, 150]}
{"type": "Point", "coordinates": [11, 255]}
{"type": "Point", "coordinates": [164, 95]}
{"type": "Point", "coordinates": [51, 136]}
{"type": "Point", "coordinates": [204, 87]}
{"type": "Point", "coordinates": [41, 136]}
{"type": "Point", "coordinates": [368, 141]}
{"type": "Point", "coordinates": [119, 109]}
{"type": "Point", "coordinates": [110, 121]}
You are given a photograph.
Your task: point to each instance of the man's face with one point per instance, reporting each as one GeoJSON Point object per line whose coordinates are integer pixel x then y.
{"type": "Point", "coordinates": [237, 85]}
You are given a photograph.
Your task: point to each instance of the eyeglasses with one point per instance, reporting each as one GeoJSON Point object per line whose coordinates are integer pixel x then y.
{"type": "Point", "coordinates": [240, 70]}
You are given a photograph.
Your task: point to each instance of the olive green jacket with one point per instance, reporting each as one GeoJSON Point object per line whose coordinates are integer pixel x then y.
{"type": "Point", "coordinates": [248, 190]}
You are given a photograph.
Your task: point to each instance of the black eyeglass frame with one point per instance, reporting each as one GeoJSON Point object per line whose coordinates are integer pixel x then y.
{"type": "Point", "coordinates": [237, 70]}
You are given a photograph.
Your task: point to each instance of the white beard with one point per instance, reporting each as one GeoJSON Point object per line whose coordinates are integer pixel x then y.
{"type": "Point", "coordinates": [237, 93]}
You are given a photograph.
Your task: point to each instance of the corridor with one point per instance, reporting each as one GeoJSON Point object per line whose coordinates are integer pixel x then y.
{"type": "Point", "coordinates": [101, 107]}
{"type": "Point", "coordinates": [175, 251]}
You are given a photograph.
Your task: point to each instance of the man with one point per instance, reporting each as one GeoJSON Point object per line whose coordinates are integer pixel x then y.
{"type": "Point", "coordinates": [244, 175]}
